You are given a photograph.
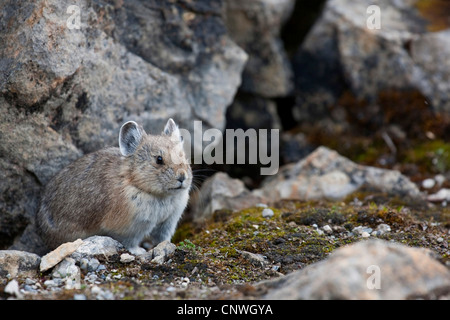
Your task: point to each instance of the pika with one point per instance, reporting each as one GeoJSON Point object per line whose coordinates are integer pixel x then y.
{"type": "Point", "coordinates": [136, 191]}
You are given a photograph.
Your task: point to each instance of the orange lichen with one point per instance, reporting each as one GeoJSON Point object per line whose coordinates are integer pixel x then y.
{"type": "Point", "coordinates": [436, 12]}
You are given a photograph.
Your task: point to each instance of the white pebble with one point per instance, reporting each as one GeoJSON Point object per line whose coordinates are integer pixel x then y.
{"type": "Point", "coordinates": [327, 229]}
{"type": "Point", "coordinates": [428, 183]}
{"type": "Point", "coordinates": [125, 258]}
{"type": "Point", "coordinates": [13, 288]}
{"type": "Point", "coordinates": [267, 213]}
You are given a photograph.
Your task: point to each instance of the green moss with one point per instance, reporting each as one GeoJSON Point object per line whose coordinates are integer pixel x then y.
{"type": "Point", "coordinates": [433, 156]}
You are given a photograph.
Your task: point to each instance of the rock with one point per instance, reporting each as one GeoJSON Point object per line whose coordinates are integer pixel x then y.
{"type": "Point", "coordinates": [267, 213]}
{"type": "Point", "coordinates": [221, 192]}
{"type": "Point", "coordinates": [325, 174]}
{"type": "Point", "coordinates": [102, 294]}
{"type": "Point", "coordinates": [371, 269]}
{"type": "Point", "coordinates": [442, 195]}
{"type": "Point", "coordinates": [255, 26]}
{"type": "Point", "coordinates": [14, 263]}
{"type": "Point", "coordinates": [89, 265]}
{"type": "Point", "coordinates": [69, 273]}
{"type": "Point", "coordinates": [344, 52]}
{"type": "Point", "coordinates": [428, 183]}
{"type": "Point", "coordinates": [12, 288]}
{"type": "Point", "coordinates": [381, 229]}
{"type": "Point", "coordinates": [159, 253]}
{"type": "Point", "coordinates": [362, 231]}
{"type": "Point", "coordinates": [327, 229]}
{"type": "Point", "coordinates": [255, 258]}
{"type": "Point", "coordinates": [97, 246]}
{"type": "Point", "coordinates": [126, 258]}
{"type": "Point", "coordinates": [65, 92]}
{"type": "Point", "coordinates": [54, 257]}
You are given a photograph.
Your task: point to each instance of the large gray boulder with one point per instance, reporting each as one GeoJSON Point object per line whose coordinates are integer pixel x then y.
{"type": "Point", "coordinates": [325, 174]}
{"type": "Point", "coordinates": [64, 91]}
{"type": "Point", "coordinates": [346, 52]}
{"type": "Point", "coordinates": [373, 269]}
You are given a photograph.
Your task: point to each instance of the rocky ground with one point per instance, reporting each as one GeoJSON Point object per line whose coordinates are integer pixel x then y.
{"type": "Point", "coordinates": [234, 254]}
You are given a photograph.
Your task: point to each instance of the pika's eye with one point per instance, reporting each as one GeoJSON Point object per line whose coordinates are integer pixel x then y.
{"type": "Point", "coordinates": [159, 160]}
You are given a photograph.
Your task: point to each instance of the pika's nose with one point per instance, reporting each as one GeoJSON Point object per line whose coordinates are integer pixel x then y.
{"type": "Point", "coordinates": [181, 176]}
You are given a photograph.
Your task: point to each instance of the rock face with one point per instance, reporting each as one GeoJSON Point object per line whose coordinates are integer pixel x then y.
{"type": "Point", "coordinates": [255, 27]}
{"type": "Point", "coordinates": [373, 269]}
{"type": "Point", "coordinates": [326, 174]}
{"type": "Point", "coordinates": [64, 91]}
{"type": "Point", "coordinates": [345, 51]}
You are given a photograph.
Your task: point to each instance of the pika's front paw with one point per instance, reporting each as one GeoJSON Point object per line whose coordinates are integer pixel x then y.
{"type": "Point", "coordinates": [137, 250]}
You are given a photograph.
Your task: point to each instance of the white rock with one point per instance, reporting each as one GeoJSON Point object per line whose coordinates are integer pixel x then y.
{"type": "Point", "coordinates": [261, 205]}
{"type": "Point", "coordinates": [327, 229]}
{"type": "Point", "coordinates": [52, 258]}
{"type": "Point", "coordinates": [382, 229]}
{"type": "Point", "coordinates": [12, 288]}
{"type": "Point", "coordinates": [428, 183]}
{"type": "Point", "coordinates": [126, 258]}
{"type": "Point", "coordinates": [159, 253]}
{"type": "Point", "coordinates": [440, 179]}
{"type": "Point", "coordinates": [362, 231]}
{"type": "Point", "coordinates": [267, 213]}
{"type": "Point", "coordinates": [441, 195]}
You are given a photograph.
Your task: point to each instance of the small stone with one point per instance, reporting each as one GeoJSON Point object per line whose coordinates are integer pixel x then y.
{"type": "Point", "coordinates": [126, 258]}
{"type": "Point", "coordinates": [381, 229]}
{"type": "Point", "coordinates": [267, 213]}
{"type": "Point", "coordinates": [441, 195]}
{"type": "Point", "coordinates": [69, 273]}
{"type": "Point", "coordinates": [12, 288]}
{"type": "Point", "coordinates": [101, 267]}
{"type": "Point", "coordinates": [65, 268]}
{"type": "Point", "coordinates": [254, 258]}
{"type": "Point", "coordinates": [102, 294]}
{"type": "Point", "coordinates": [159, 253]}
{"type": "Point", "coordinates": [360, 230]}
{"type": "Point", "coordinates": [440, 239]}
{"type": "Point", "coordinates": [440, 179]}
{"type": "Point", "coordinates": [84, 264]}
{"type": "Point", "coordinates": [261, 205]}
{"type": "Point", "coordinates": [320, 232]}
{"type": "Point", "coordinates": [52, 283]}
{"type": "Point", "coordinates": [89, 265]}
{"type": "Point", "coordinates": [428, 183]}
{"type": "Point", "coordinates": [52, 258]}
{"type": "Point", "coordinates": [79, 296]}
{"type": "Point", "coordinates": [327, 229]}
{"type": "Point", "coordinates": [171, 289]}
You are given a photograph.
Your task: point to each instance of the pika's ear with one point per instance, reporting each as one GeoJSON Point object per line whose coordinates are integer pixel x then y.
{"type": "Point", "coordinates": [130, 137]}
{"type": "Point", "coordinates": [171, 130]}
